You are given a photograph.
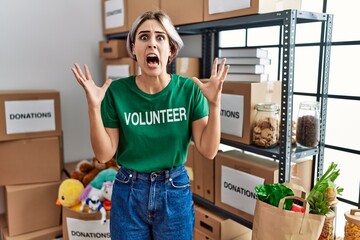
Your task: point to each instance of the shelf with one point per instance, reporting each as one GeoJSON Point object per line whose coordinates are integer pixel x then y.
{"type": "Point", "coordinates": [296, 152]}
{"type": "Point", "coordinates": [219, 211]}
{"type": "Point", "coordinates": [250, 21]}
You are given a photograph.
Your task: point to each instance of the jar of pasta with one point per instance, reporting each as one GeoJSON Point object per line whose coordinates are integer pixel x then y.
{"type": "Point", "coordinates": [308, 124]}
{"type": "Point", "coordinates": [352, 225]}
{"type": "Point", "coordinates": [266, 125]}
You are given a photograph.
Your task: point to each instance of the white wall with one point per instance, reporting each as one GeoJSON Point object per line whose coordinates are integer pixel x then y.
{"type": "Point", "coordinates": [40, 40]}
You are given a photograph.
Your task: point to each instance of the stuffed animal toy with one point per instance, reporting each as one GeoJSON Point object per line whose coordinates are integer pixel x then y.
{"type": "Point", "coordinates": [94, 187]}
{"type": "Point", "coordinates": [106, 191]}
{"type": "Point", "coordinates": [69, 193]}
{"type": "Point", "coordinates": [87, 170]}
{"type": "Point", "coordinates": [94, 205]}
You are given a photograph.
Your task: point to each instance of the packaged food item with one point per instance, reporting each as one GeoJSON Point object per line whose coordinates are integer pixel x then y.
{"type": "Point", "coordinates": [308, 124]}
{"type": "Point", "coordinates": [327, 232]}
{"type": "Point", "coordinates": [352, 225]}
{"type": "Point", "coordinates": [266, 125]}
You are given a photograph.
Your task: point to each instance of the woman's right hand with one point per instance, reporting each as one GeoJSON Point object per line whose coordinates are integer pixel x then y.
{"type": "Point", "coordinates": [94, 94]}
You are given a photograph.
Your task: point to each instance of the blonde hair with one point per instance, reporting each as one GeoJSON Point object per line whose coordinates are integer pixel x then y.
{"type": "Point", "coordinates": [175, 40]}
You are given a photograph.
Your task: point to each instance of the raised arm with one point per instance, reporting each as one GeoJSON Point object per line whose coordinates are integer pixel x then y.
{"type": "Point", "coordinates": [104, 141]}
{"type": "Point", "coordinates": [206, 131]}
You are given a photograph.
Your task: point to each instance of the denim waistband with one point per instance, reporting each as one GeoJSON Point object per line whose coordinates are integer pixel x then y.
{"type": "Point", "coordinates": [156, 175]}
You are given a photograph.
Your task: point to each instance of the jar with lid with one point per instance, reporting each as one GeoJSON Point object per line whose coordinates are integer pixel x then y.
{"type": "Point", "coordinates": [308, 124]}
{"type": "Point", "coordinates": [352, 225]}
{"type": "Point", "coordinates": [266, 125]}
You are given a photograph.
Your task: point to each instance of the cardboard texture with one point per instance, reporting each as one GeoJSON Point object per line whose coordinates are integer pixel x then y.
{"type": "Point", "coordinates": [204, 176]}
{"type": "Point", "coordinates": [44, 234]}
{"type": "Point", "coordinates": [138, 7]}
{"type": "Point", "coordinates": [253, 93]}
{"type": "Point", "coordinates": [3, 225]}
{"type": "Point", "coordinates": [251, 164]}
{"type": "Point", "coordinates": [32, 207]}
{"type": "Point", "coordinates": [114, 16]}
{"type": "Point", "coordinates": [69, 213]}
{"type": "Point", "coordinates": [188, 66]}
{"type": "Point", "coordinates": [198, 235]}
{"type": "Point", "coordinates": [126, 65]}
{"type": "Point", "coordinates": [38, 161]}
{"type": "Point", "coordinates": [256, 7]}
{"type": "Point", "coordinates": [28, 95]}
{"type": "Point", "coordinates": [301, 173]}
{"type": "Point", "coordinates": [176, 9]}
{"type": "Point", "coordinates": [112, 49]}
{"type": "Point", "coordinates": [210, 225]}
{"type": "Point", "coordinates": [256, 166]}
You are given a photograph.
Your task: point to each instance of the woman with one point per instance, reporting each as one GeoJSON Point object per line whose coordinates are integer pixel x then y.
{"type": "Point", "coordinates": [148, 121]}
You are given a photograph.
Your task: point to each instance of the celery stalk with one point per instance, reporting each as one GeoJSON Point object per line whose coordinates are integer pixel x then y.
{"type": "Point", "coordinates": [317, 199]}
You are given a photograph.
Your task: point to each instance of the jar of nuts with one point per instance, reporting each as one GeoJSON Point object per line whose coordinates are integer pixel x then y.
{"type": "Point", "coordinates": [352, 225]}
{"type": "Point", "coordinates": [266, 125]}
{"type": "Point", "coordinates": [308, 124]}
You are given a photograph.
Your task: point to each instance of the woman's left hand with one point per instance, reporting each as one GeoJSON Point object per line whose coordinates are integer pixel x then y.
{"type": "Point", "coordinates": [213, 87]}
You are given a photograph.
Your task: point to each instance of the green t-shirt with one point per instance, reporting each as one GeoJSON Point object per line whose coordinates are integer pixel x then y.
{"type": "Point", "coordinates": [155, 129]}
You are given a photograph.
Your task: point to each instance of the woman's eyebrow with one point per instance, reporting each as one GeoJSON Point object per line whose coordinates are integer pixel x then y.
{"type": "Point", "coordinates": [147, 31]}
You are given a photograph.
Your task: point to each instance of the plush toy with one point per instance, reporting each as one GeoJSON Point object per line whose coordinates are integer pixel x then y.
{"type": "Point", "coordinates": [87, 170]}
{"type": "Point", "coordinates": [94, 187]}
{"type": "Point", "coordinates": [94, 205]}
{"type": "Point", "coordinates": [106, 191]}
{"type": "Point", "coordinates": [69, 193]}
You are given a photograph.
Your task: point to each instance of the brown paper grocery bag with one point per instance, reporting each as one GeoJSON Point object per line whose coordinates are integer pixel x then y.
{"type": "Point", "coordinates": [274, 223]}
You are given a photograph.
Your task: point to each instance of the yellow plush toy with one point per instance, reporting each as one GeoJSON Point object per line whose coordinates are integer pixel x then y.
{"type": "Point", "coordinates": [69, 194]}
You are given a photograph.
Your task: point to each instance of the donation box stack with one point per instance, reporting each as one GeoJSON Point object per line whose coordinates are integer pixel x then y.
{"type": "Point", "coordinates": [31, 163]}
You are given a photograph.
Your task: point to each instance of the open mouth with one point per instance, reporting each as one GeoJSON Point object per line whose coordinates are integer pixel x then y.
{"type": "Point", "coordinates": [152, 59]}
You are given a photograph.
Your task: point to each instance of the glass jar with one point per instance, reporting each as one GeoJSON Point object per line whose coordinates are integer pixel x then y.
{"type": "Point", "coordinates": [266, 125]}
{"type": "Point", "coordinates": [327, 232]}
{"type": "Point", "coordinates": [352, 225]}
{"type": "Point", "coordinates": [308, 124]}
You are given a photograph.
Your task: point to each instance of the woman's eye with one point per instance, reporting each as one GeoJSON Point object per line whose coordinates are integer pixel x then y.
{"type": "Point", "coordinates": [161, 38]}
{"type": "Point", "coordinates": [143, 37]}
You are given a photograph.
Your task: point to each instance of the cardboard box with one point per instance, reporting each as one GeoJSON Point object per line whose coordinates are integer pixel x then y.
{"type": "Point", "coordinates": [138, 7]}
{"type": "Point", "coordinates": [236, 175]}
{"type": "Point", "coordinates": [188, 66]}
{"type": "Point", "coordinates": [48, 233]}
{"type": "Point", "coordinates": [246, 236]}
{"type": "Point", "coordinates": [238, 103]}
{"type": "Point", "coordinates": [189, 165]}
{"type": "Point", "coordinates": [214, 10]}
{"type": "Point", "coordinates": [114, 16]}
{"type": "Point", "coordinates": [32, 207]}
{"type": "Point", "coordinates": [33, 160]}
{"type": "Point", "coordinates": [76, 223]}
{"type": "Point", "coordinates": [301, 173]}
{"type": "Point", "coordinates": [176, 9]}
{"type": "Point", "coordinates": [198, 235]}
{"type": "Point", "coordinates": [118, 68]}
{"type": "Point", "coordinates": [29, 114]}
{"type": "Point", "coordinates": [3, 225]}
{"type": "Point", "coordinates": [113, 49]}
{"type": "Point", "coordinates": [216, 227]}
{"type": "Point", "coordinates": [204, 176]}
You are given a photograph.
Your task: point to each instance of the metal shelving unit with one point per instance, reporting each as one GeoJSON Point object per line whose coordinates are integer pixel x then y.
{"type": "Point", "coordinates": [287, 20]}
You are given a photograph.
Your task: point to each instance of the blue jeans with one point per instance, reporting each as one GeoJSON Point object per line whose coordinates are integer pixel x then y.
{"type": "Point", "coordinates": [156, 206]}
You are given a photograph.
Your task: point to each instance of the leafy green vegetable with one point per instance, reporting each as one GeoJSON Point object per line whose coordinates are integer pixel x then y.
{"type": "Point", "coordinates": [273, 193]}
{"type": "Point", "coordinates": [318, 198]}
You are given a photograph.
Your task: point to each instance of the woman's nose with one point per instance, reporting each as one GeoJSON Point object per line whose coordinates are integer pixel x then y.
{"type": "Point", "coordinates": [152, 43]}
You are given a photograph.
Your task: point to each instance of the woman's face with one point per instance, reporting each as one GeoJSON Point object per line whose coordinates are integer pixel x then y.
{"type": "Point", "coordinates": [152, 48]}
